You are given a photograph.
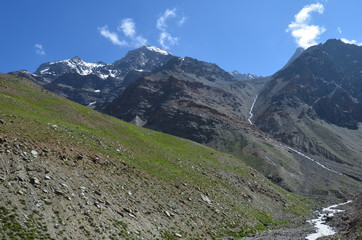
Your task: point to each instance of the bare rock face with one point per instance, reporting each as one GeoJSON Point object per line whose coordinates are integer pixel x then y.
{"type": "Point", "coordinates": [326, 78]}
{"type": "Point", "coordinates": [187, 98]}
{"type": "Point", "coordinates": [325, 83]}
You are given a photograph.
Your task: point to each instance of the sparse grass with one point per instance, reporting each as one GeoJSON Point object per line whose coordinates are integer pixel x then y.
{"type": "Point", "coordinates": [12, 227]}
{"type": "Point", "coordinates": [42, 117]}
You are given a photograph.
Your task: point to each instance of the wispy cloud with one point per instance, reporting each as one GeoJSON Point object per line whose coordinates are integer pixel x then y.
{"type": "Point", "coordinates": [339, 30]}
{"type": "Point", "coordinates": [112, 36]}
{"type": "Point", "coordinates": [305, 35]}
{"type": "Point", "coordinates": [161, 21]}
{"type": "Point", "coordinates": [39, 49]}
{"type": "Point", "coordinates": [182, 21]}
{"type": "Point", "coordinates": [166, 40]}
{"type": "Point", "coordinates": [139, 41]}
{"type": "Point", "coordinates": [126, 33]}
{"type": "Point", "coordinates": [128, 28]}
{"type": "Point", "coordinates": [351, 41]}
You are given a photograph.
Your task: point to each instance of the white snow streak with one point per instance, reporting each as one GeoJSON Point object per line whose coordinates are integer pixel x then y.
{"type": "Point", "coordinates": [313, 160]}
{"type": "Point", "coordinates": [251, 110]}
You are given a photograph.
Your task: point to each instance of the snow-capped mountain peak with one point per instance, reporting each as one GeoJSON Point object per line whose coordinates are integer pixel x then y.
{"type": "Point", "coordinates": [142, 59]}
{"type": "Point", "coordinates": [243, 76]}
{"type": "Point", "coordinates": [158, 50]}
{"type": "Point", "coordinates": [72, 65]}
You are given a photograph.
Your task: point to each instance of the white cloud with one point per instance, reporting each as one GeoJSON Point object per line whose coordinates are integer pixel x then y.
{"type": "Point", "coordinates": [351, 42]}
{"type": "Point", "coordinates": [39, 49]}
{"type": "Point", "coordinates": [112, 36]}
{"type": "Point", "coordinates": [166, 40]}
{"type": "Point", "coordinates": [181, 21]}
{"type": "Point", "coordinates": [339, 30]}
{"type": "Point", "coordinates": [139, 41]}
{"type": "Point", "coordinates": [161, 21]}
{"type": "Point", "coordinates": [305, 35]}
{"type": "Point", "coordinates": [128, 27]}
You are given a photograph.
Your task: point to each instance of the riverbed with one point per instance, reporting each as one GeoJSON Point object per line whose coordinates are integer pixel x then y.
{"type": "Point", "coordinates": [320, 222]}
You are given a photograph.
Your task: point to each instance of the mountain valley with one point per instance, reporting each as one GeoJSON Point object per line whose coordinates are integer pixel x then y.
{"type": "Point", "coordinates": [248, 153]}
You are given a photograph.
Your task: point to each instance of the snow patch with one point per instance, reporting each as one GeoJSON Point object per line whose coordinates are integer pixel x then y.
{"type": "Point", "coordinates": [313, 160]}
{"type": "Point", "coordinates": [159, 50]}
{"type": "Point", "coordinates": [251, 110]}
{"type": "Point", "coordinates": [44, 70]}
{"type": "Point", "coordinates": [92, 103]}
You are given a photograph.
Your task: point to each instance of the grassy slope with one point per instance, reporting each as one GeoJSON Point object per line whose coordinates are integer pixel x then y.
{"type": "Point", "coordinates": [161, 171]}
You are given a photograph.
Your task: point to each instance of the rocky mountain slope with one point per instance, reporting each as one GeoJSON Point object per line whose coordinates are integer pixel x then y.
{"type": "Point", "coordinates": [93, 84]}
{"type": "Point", "coordinates": [299, 127]}
{"type": "Point", "coordinates": [243, 76]}
{"type": "Point", "coordinates": [199, 101]}
{"type": "Point", "coordinates": [68, 172]}
{"type": "Point", "coordinates": [314, 104]}
{"type": "Point", "coordinates": [190, 99]}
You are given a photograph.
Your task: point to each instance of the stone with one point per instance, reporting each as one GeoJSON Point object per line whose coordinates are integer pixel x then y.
{"type": "Point", "coordinates": [47, 177]}
{"type": "Point", "coordinates": [167, 213]}
{"type": "Point", "coordinates": [206, 199]}
{"type": "Point", "coordinates": [58, 192]}
{"type": "Point", "coordinates": [2, 121]}
{"type": "Point", "coordinates": [34, 153]}
{"type": "Point", "coordinates": [21, 192]}
{"type": "Point", "coordinates": [34, 180]}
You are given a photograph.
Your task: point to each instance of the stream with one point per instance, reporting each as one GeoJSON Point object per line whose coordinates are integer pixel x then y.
{"type": "Point", "coordinates": [320, 223]}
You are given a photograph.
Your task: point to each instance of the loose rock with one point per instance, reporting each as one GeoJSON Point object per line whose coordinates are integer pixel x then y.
{"type": "Point", "coordinates": [34, 181]}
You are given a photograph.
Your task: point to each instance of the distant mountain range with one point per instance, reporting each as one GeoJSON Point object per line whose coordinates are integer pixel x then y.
{"type": "Point", "coordinates": [93, 84]}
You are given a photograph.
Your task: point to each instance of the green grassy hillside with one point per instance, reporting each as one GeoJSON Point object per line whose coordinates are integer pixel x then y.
{"type": "Point", "coordinates": [68, 171]}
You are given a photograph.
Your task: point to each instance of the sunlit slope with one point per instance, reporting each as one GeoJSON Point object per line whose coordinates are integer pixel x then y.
{"type": "Point", "coordinates": [67, 170]}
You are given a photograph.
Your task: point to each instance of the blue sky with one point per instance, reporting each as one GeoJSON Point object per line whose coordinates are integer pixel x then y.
{"type": "Point", "coordinates": [254, 36]}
